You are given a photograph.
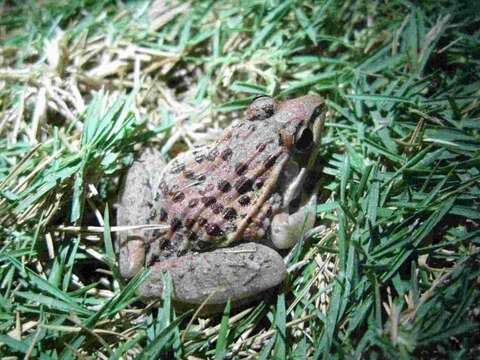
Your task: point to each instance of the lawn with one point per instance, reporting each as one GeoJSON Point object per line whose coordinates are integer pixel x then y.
{"type": "Point", "coordinates": [393, 268]}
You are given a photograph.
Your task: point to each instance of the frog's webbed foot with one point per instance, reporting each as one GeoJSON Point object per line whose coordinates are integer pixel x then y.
{"type": "Point", "coordinates": [238, 273]}
{"type": "Point", "coordinates": [134, 208]}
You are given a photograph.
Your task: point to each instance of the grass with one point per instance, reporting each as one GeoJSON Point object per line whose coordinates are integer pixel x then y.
{"type": "Point", "coordinates": [84, 85]}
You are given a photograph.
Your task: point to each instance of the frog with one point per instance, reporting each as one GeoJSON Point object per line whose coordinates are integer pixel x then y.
{"type": "Point", "coordinates": [225, 210]}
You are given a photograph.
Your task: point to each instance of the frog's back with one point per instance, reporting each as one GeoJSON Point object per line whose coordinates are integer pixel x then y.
{"type": "Point", "coordinates": [213, 194]}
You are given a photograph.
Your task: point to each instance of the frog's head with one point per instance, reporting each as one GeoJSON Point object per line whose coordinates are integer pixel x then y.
{"type": "Point", "coordinates": [300, 121]}
{"type": "Point", "coordinates": [299, 124]}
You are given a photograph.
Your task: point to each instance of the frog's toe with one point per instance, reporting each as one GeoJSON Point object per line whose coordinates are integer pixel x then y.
{"type": "Point", "coordinates": [131, 257]}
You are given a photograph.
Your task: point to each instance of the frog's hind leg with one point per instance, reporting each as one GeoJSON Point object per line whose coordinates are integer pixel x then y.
{"type": "Point", "coordinates": [134, 208]}
{"type": "Point", "coordinates": [238, 273]}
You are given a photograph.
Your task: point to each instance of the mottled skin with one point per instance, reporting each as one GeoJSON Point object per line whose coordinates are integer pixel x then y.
{"type": "Point", "coordinates": [238, 189]}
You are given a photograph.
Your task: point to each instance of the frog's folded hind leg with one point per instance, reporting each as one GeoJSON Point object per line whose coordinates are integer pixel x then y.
{"type": "Point", "coordinates": [134, 208]}
{"type": "Point", "coordinates": [238, 273]}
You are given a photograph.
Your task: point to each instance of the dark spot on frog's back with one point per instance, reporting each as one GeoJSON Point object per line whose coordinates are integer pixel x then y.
{"type": "Point", "coordinates": [258, 184]}
{"type": "Point", "coordinates": [208, 201]}
{"type": "Point", "coordinates": [240, 168]}
{"type": "Point", "coordinates": [201, 221]}
{"type": "Point", "coordinates": [224, 186]}
{"type": "Point", "coordinates": [153, 214]}
{"type": "Point", "coordinates": [212, 154]}
{"type": "Point", "coordinates": [243, 185]}
{"type": "Point", "coordinates": [226, 154]}
{"type": "Point", "coordinates": [244, 200]}
{"type": "Point", "coordinates": [269, 213]}
{"type": "Point", "coordinates": [175, 224]}
{"type": "Point", "coordinates": [213, 230]}
{"type": "Point", "coordinates": [188, 174]}
{"type": "Point", "coordinates": [178, 197]}
{"type": "Point", "coordinates": [163, 215]}
{"type": "Point", "coordinates": [270, 161]}
{"type": "Point", "coordinates": [261, 147]}
{"type": "Point", "coordinates": [155, 235]}
{"type": "Point", "coordinates": [198, 156]}
{"type": "Point", "coordinates": [230, 214]}
{"type": "Point", "coordinates": [189, 223]}
{"type": "Point", "coordinates": [192, 236]}
{"type": "Point", "coordinates": [217, 208]}
{"type": "Point", "coordinates": [163, 187]}
{"type": "Point", "coordinates": [193, 202]}
{"type": "Point", "coordinates": [177, 167]}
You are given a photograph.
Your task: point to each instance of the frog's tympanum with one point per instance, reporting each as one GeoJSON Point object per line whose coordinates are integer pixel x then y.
{"type": "Point", "coordinates": [228, 206]}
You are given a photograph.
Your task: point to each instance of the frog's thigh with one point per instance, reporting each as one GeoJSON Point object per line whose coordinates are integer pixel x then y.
{"type": "Point", "coordinates": [238, 273]}
{"type": "Point", "coordinates": [287, 229]}
{"type": "Point", "coordinates": [134, 208]}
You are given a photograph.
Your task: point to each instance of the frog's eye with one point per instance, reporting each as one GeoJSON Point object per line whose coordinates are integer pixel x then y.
{"type": "Point", "coordinates": [316, 122]}
{"type": "Point", "coordinates": [304, 141]}
{"type": "Point", "coordinates": [261, 108]}
{"type": "Point", "coordinates": [316, 113]}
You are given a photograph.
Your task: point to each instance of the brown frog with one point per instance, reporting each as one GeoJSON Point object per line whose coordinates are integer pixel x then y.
{"type": "Point", "coordinates": [245, 188]}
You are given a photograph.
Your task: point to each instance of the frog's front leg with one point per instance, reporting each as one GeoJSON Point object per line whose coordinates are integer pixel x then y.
{"type": "Point", "coordinates": [237, 273]}
{"type": "Point", "coordinates": [287, 228]}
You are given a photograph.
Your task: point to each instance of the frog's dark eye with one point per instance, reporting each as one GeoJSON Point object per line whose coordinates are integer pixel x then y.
{"type": "Point", "coordinates": [261, 108]}
{"type": "Point", "coordinates": [305, 141]}
{"type": "Point", "coordinates": [316, 113]}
